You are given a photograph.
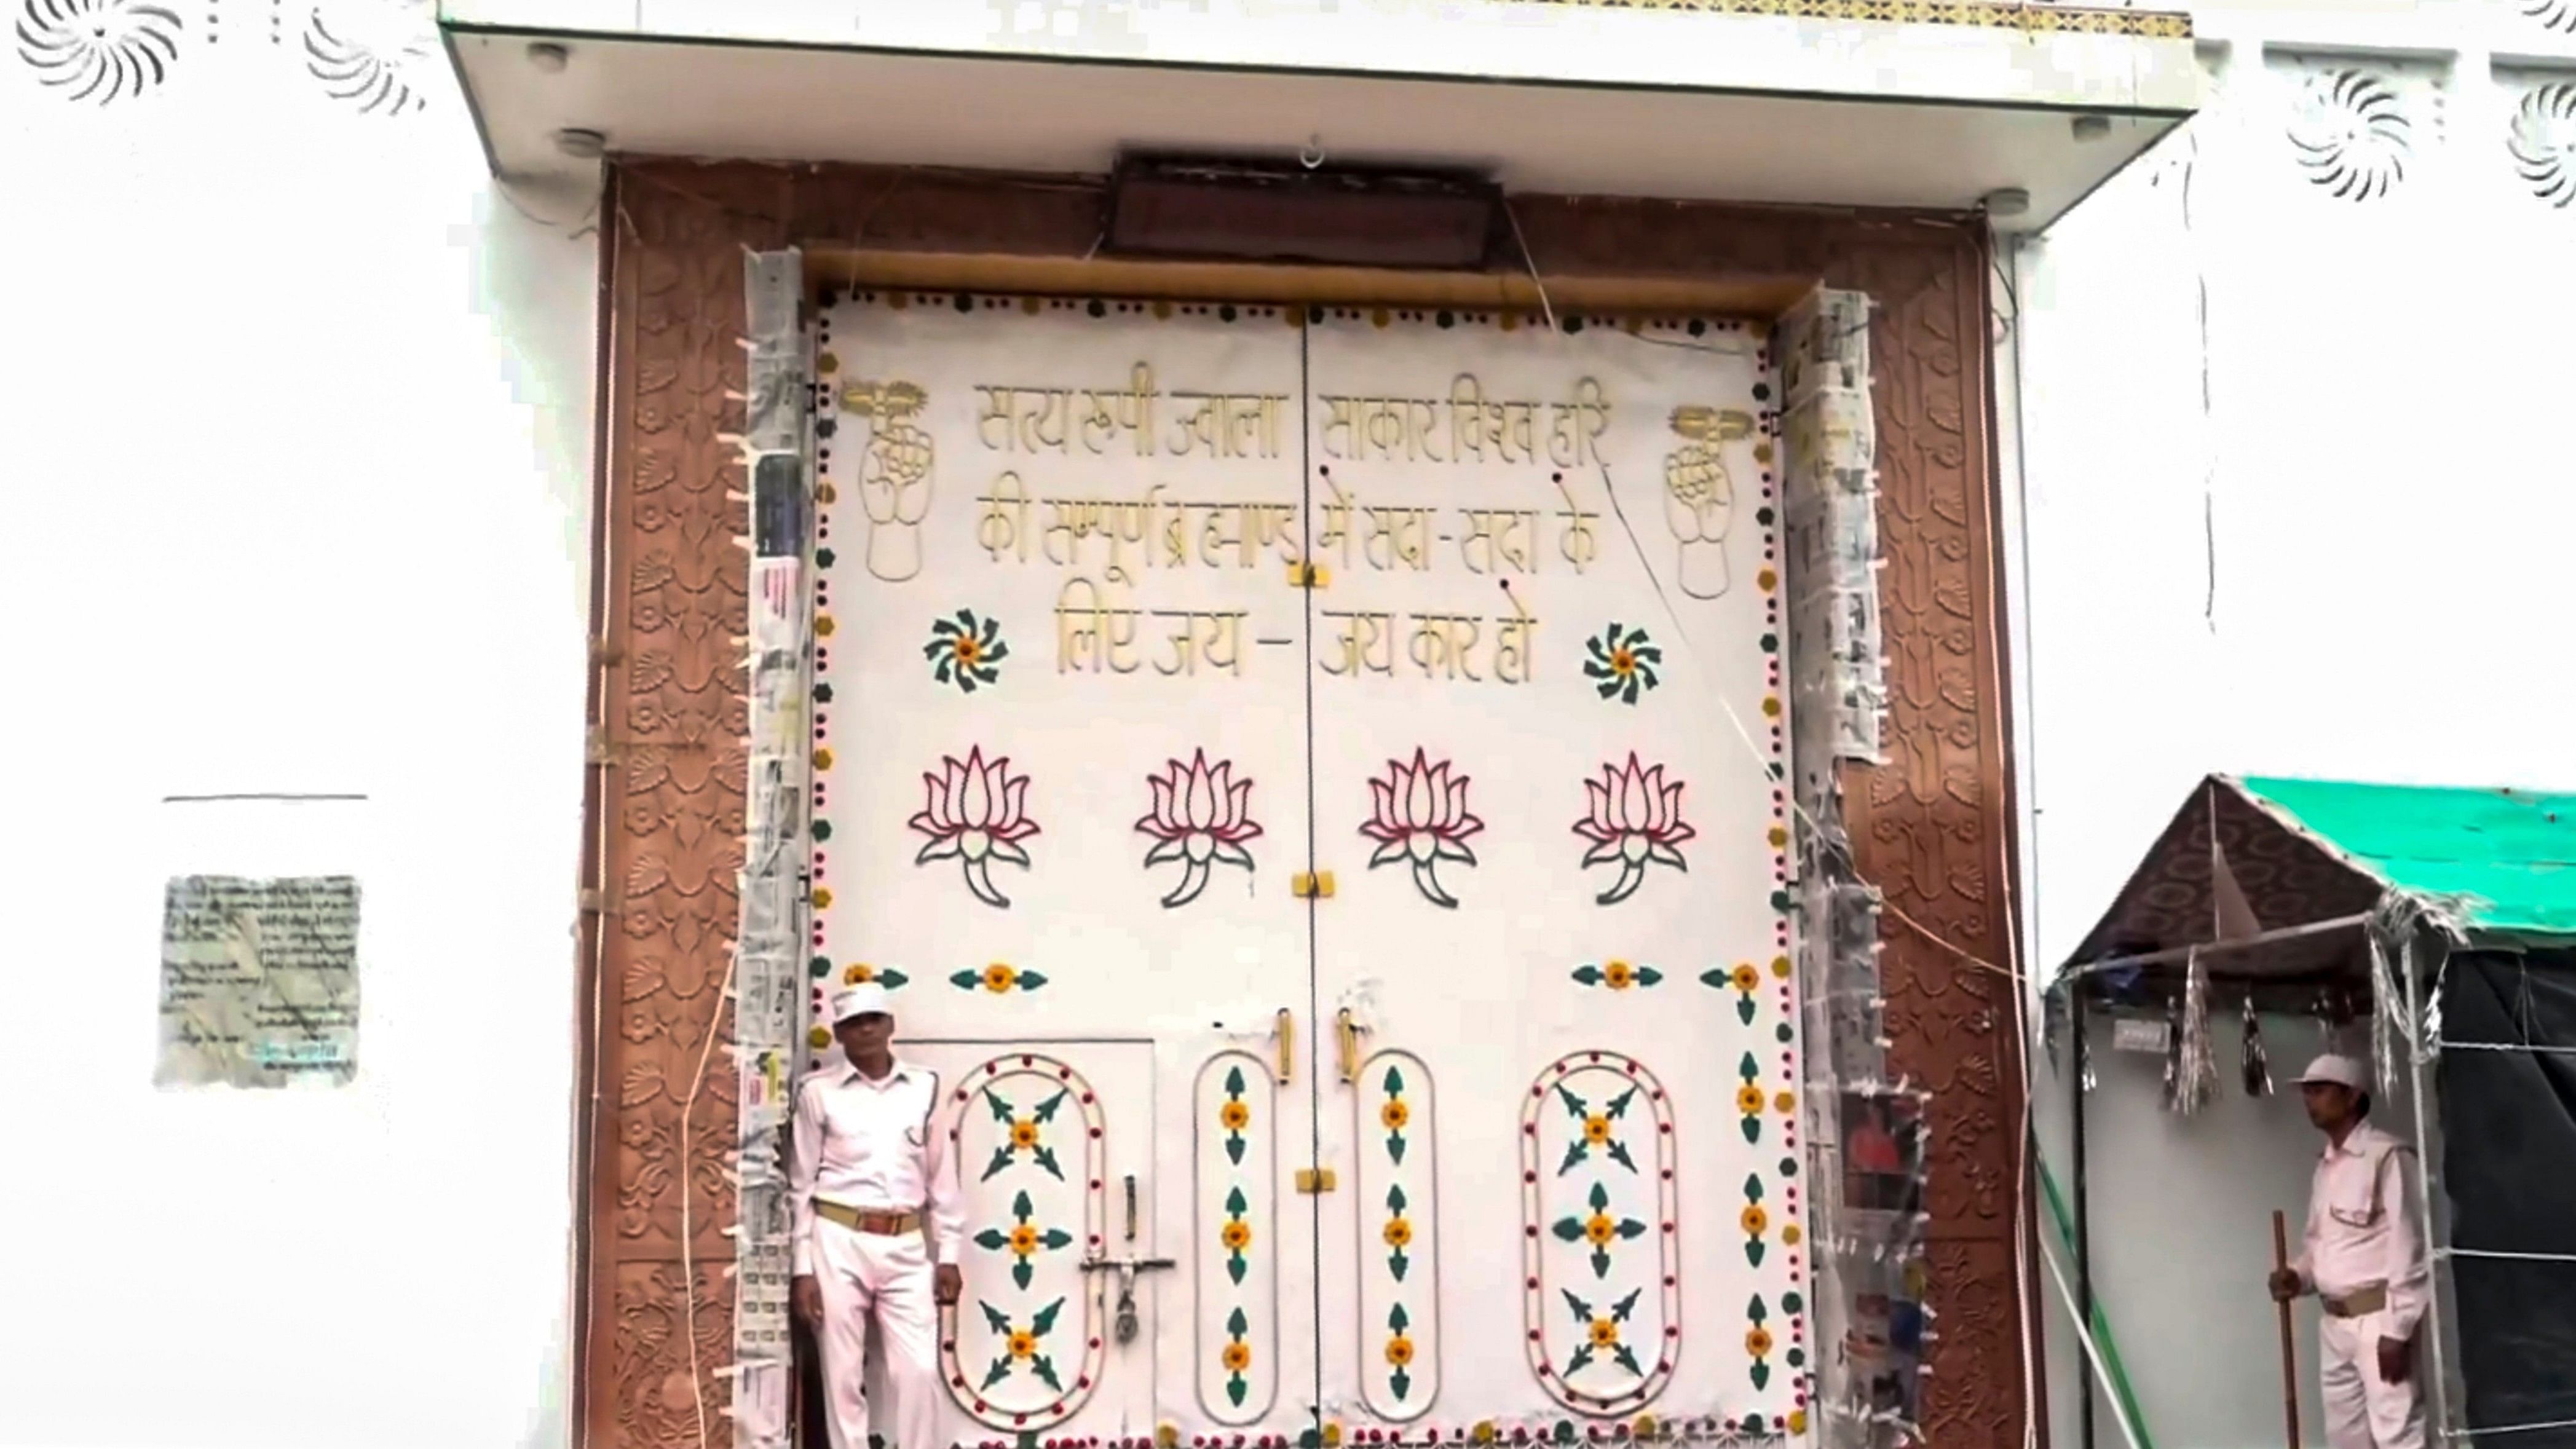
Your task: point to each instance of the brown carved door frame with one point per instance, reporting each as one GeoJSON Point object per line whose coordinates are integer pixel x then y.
{"type": "Point", "coordinates": [664, 798]}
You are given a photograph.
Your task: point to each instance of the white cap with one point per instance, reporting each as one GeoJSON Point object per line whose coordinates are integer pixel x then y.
{"type": "Point", "coordinates": [864, 999]}
{"type": "Point", "coordinates": [2332, 1070]}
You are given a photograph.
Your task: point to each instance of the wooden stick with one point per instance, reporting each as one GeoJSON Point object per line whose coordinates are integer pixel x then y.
{"type": "Point", "coordinates": [2289, 1344]}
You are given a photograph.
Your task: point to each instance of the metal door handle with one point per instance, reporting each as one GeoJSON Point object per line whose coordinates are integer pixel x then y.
{"type": "Point", "coordinates": [1127, 1269]}
{"type": "Point", "coordinates": [1349, 1031]}
{"type": "Point", "coordinates": [1287, 1033]}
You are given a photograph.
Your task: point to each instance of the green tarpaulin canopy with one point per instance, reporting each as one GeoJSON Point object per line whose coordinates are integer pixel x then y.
{"type": "Point", "coordinates": [2294, 865]}
{"type": "Point", "coordinates": [2507, 858]}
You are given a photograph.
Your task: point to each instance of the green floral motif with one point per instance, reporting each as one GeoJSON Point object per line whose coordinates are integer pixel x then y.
{"type": "Point", "coordinates": [1024, 1240]}
{"type": "Point", "coordinates": [1399, 1352]}
{"type": "Point", "coordinates": [860, 974]}
{"type": "Point", "coordinates": [1236, 1236]}
{"type": "Point", "coordinates": [1601, 1333]}
{"type": "Point", "coordinates": [999, 979]}
{"type": "Point", "coordinates": [964, 651]}
{"type": "Point", "coordinates": [1749, 1098]}
{"type": "Point", "coordinates": [1398, 1232]}
{"type": "Point", "coordinates": [1616, 975]}
{"type": "Point", "coordinates": [1023, 1345]}
{"type": "Point", "coordinates": [1394, 1114]}
{"type": "Point", "coordinates": [1621, 663]}
{"type": "Point", "coordinates": [1757, 1342]}
{"type": "Point", "coordinates": [1600, 1230]}
{"type": "Point", "coordinates": [1026, 1134]}
{"type": "Point", "coordinates": [1743, 981]}
{"type": "Point", "coordinates": [1599, 1130]}
{"type": "Point", "coordinates": [1234, 1116]}
{"type": "Point", "coordinates": [1238, 1356]}
{"type": "Point", "coordinates": [1755, 1220]}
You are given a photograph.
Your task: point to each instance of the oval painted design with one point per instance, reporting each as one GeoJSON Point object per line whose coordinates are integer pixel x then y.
{"type": "Point", "coordinates": [1023, 1348]}
{"type": "Point", "coordinates": [1601, 1272]}
{"type": "Point", "coordinates": [1234, 1253]}
{"type": "Point", "coordinates": [1396, 1194]}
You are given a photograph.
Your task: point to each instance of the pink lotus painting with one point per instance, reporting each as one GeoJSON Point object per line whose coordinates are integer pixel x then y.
{"type": "Point", "coordinates": [1201, 818]}
{"type": "Point", "coordinates": [1635, 821]}
{"type": "Point", "coordinates": [975, 813]}
{"type": "Point", "coordinates": [1418, 814]}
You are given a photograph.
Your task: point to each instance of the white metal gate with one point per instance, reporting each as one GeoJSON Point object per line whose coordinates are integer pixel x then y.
{"type": "Point", "coordinates": [1314, 782]}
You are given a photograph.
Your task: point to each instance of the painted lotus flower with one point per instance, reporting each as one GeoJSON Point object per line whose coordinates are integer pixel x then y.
{"type": "Point", "coordinates": [975, 813]}
{"type": "Point", "coordinates": [1201, 817]}
{"type": "Point", "coordinates": [1418, 813]}
{"type": "Point", "coordinates": [1635, 821]}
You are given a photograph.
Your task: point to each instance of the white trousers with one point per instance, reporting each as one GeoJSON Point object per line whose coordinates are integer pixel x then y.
{"type": "Point", "coordinates": [865, 1278]}
{"type": "Point", "coordinates": [2364, 1411]}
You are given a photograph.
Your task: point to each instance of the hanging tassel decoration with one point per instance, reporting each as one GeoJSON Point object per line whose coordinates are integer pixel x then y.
{"type": "Point", "coordinates": [2197, 1062]}
{"type": "Point", "coordinates": [2258, 1065]}
{"type": "Point", "coordinates": [2173, 1054]}
{"type": "Point", "coordinates": [2383, 1015]}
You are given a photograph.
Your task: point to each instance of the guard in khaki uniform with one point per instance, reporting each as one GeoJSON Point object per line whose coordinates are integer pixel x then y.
{"type": "Point", "coordinates": [2364, 1259]}
{"type": "Point", "coordinates": [877, 1223]}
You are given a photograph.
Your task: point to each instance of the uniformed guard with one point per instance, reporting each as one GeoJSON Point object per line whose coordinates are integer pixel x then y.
{"type": "Point", "coordinates": [877, 1223]}
{"type": "Point", "coordinates": [2364, 1259]}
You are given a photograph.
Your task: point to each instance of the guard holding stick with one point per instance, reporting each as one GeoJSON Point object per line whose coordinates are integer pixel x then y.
{"type": "Point", "coordinates": [2364, 1259]}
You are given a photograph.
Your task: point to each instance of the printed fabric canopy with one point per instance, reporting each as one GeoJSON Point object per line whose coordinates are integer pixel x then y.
{"type": "Point", "coordinates": [2258, 855]}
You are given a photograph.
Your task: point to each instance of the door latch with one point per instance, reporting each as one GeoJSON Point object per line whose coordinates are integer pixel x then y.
{"type": "Point", "coordinates": [1126, 1269]}
{"type": "Point", "coordinates": [1313, 1180]}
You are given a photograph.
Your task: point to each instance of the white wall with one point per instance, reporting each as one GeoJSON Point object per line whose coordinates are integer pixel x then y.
{"type": "Point", "coordinates": [2382, 471]}
{"type": "Point", "coordinates": [293, 497]}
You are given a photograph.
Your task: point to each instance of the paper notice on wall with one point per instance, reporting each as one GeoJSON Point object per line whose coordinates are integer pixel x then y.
{"type": "Point", "coordinates": [259, 982]}
{"type": "Point", "coordinates": [2145, 1034]}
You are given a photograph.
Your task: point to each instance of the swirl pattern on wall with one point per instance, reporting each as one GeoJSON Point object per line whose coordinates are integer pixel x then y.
{"type": "Point", "coordinates": [2353, 135]}
{"type": "Point", "coordinates": [2543, 142]}
{"type": "Point", "coordinates": [369, 54]}
{"type": "Point", "coordinates": [2559, 15]}
{"type": "Point", "coordinates": [102, 50]}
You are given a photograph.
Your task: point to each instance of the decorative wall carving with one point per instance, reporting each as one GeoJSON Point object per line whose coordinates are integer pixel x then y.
{"type": "Point", "coordinates": [668, 723]}
{"type": "Point", "coordinates": [2542, 139]}
{"type": "Point", "coordinates": [1930, 826]}
{"type": "Point", "coordinates": [101, 51]}
{"type": "Point", "coordinates": [2353, 132]}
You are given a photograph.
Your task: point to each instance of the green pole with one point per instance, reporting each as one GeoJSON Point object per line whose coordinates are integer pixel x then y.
{"type": "Point", "coordinates": [2105, 1346]}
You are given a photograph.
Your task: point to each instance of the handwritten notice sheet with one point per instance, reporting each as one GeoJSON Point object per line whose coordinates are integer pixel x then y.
{"type": "Point", "coordinates": [259, 982]}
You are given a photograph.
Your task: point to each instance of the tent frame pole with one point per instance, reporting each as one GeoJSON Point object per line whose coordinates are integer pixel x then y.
{"type": "Point", "coordinates": [2410, 953]}
{"type": "Point", "coordinates": [2083, 1220]}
